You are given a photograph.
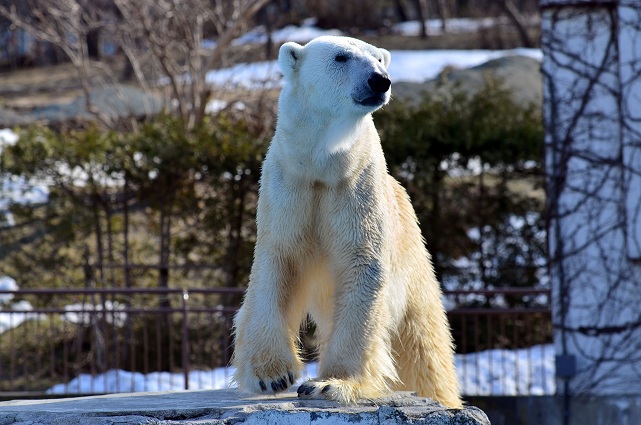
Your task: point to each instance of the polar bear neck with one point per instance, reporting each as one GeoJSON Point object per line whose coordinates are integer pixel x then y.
{"type": "Point", "coordinates": [338, 135]}
{"type": "Point", "coordinates": [322, 147]}
{"type": "Point", "coordinates": [324, 133]}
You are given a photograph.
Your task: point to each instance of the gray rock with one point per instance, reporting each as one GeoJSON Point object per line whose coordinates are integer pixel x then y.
{"type": "Point", "coordinates": [230, 407]}
{"type": "Point", "coordinates": [520, 74]}
{"type": "Point", "coordinates": [112, 101]}
{"type": "Point", "coordinates": [9, 118]}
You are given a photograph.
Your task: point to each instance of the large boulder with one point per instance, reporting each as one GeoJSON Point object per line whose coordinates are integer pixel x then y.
{"type": "Point", "coordinates": [520, 74]}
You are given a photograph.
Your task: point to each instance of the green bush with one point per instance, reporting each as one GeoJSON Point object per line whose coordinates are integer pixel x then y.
{"type": "Point", "coordinates": [161, 195]}
{"type": "Point", "coordinates": [156, 196]}
{"type": "Point", "coordinates": [471, 163]}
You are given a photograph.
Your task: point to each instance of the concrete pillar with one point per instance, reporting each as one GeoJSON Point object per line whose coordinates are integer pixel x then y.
{"type": "Point", "coordinates": [592, 112]}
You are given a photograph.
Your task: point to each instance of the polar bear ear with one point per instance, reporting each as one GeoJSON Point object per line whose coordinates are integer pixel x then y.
{"type": "Point", "coordinates": [289, 58]}
{"type": "Point", "coordinates": [387, 57]}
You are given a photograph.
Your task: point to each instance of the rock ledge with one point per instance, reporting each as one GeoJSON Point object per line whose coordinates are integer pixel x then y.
{"type": "Point", "coordinates": [231, 407]}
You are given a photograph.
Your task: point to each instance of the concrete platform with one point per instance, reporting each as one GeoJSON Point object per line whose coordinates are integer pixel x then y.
{"type": "Point", "coordinates": [230, 407]}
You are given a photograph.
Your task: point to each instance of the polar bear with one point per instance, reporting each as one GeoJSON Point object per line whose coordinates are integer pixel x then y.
{"type": "Point", "coordinates": [338, 241]}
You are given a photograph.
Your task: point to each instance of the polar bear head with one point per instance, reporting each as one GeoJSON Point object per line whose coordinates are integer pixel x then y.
{"type": "Point", "coordinates": [336, 75]}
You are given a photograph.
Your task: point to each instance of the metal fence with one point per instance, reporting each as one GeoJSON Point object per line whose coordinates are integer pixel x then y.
{"type": "Point", "coordinates": [91, 341]}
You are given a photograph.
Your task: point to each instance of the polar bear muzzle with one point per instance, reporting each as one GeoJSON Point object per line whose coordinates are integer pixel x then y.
{"type": "Point", "coordinates": [378, 85]}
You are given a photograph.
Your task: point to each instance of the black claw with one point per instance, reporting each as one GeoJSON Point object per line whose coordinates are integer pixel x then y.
{"type": "Point", "coordinates": [301, 389]}
{"type": "Point", "coordinates": [282, 383]}
{"type": "Point", "coordinates": [291, 378]}
{"type": "Point", "coordinates": [275, 387]}
{"type": "Point", "coordinates": [325, 389]}
{"type": "Point", "coordinates": [309, 390]}
{"type": "Point", "coordinates": [262, 385]}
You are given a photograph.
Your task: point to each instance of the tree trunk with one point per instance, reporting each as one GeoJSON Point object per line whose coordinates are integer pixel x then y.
{"type": "Point", "coordinates": [444, 13]}
{"type": "Point", "coordinates": [518, 20]}
{"type": "Point", "coordinates": [234, 237]}
{"type": "Point", "coordinates": [93, 44]}
{"type": "Point", "coordinates": [482, 220]}
{"type": "Point", "coordinates": [98, 230]}
{"type": "Point", "coordinates": [399, 7]}
{"type": "Point", "coordinates": [110, 247]}
{"type": "Point", "coordinates": [125, 230]}
{"type": "Point", "coordinates": [165, 354]}
{"type": "Point", "coordinates": [421, 13]}
{"type": "Point", "coordinates": [165, 246]}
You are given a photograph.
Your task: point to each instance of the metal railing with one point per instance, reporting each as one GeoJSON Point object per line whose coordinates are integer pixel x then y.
{"type": "Point", "coordinates": [89, 341]}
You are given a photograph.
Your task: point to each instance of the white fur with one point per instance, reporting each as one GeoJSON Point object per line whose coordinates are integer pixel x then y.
{"type": "Point", "coordinates": [338, 240]}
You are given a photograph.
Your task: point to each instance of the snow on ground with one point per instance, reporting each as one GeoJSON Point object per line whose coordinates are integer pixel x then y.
{"type": "Point", "coordinates": [308, 30]}
{"type": "Point", "coordinates": [492, 372]}
{"type": "Point", "coordinates": [119, 381]}
{"type": "Point", "coordinates": [453, 26]}
{"type": "Point", "coordinates": [84, 313]}
{"type": "Point", "coordinates": [7, 284]}
{"type": "Point", "coordinates": [17, 189]}
{"type": "Point", "coordinates": [508, 372]}
{"type": "Point", "coordinates": [300, 34]}
{"type": "Point", "coordinates": [254, 75]}
{"type": "Point", "coordinates": [7, 138]}
{"type": "Point", "coordinates": [421, 65]}
{"type": "Point", "coordinates": [11, 319]}
{"type": "Point", "coordinates": [406, 65]}
{"type": "Point", "coordinates": [435, 26]}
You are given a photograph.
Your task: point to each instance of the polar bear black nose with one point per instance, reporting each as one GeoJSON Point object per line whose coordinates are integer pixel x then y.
{"type": "Point", "coordinates": [379, 83]}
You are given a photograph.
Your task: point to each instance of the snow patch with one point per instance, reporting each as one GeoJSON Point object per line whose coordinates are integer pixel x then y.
{"type": "Point", "coordinates": [528, 371]}
{"type": "Point", "coordinates": [83, 313]}
{"type": "Point", "coordinates": [299, 34]}
{"type": "Point", "coordinates": [7, 138]}
{"type": "Point", "coordinates": [453, 25]}
{"type": "Point", "coordinates": [7, 284]}
{"type": "Point", "coordinates": [495, 372]}
{"type": "Point", "coordinates": [421, 65]}
{"type": "Point", "coordinates": [17, 189]}
{"type": "Point", "coordinates": [406, 65]}
{"type": "Point", "coordinates": [11, 313]}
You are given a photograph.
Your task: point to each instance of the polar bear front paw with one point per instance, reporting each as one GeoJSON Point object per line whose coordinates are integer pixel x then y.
{"type": "Point", "coordinates": [277, 384]}
{"type": "Point", "coordinates": [266, 378]}
{"type": "Point", "coordinates": [311, 389]}
{"type": "Point", "coordinates": [343, 391]}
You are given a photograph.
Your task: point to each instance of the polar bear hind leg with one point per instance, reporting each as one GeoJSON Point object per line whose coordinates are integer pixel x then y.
{"type": "Point", "coordinates": [423, 359]}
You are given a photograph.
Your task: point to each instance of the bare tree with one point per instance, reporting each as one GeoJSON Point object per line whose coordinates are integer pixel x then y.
{"type": "Point", "coordinates": [171, 33]}
{"type": "Point", "coordinates": [164, 43]}
{"type": "Point", "coordinates": [163, 40]}
{"type": "Point", "coordinates": [63, 23]}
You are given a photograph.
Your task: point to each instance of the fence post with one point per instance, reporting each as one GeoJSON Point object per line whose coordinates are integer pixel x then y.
{"type": "Point", "coordinates": [185, 338]}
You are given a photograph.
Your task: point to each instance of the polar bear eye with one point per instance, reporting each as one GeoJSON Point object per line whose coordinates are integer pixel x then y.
{"type": "Point", "coordinates": [341, 58]}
